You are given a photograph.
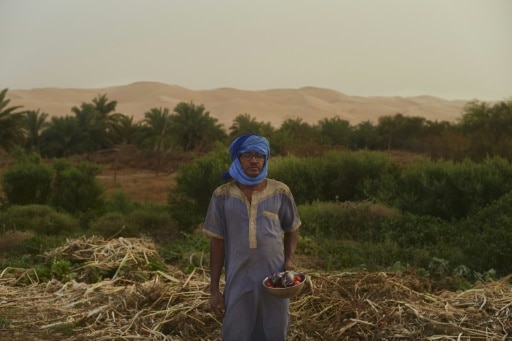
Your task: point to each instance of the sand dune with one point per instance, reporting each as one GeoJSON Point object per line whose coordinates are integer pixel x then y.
{"type": "Point", "coordinates": [274, 105]}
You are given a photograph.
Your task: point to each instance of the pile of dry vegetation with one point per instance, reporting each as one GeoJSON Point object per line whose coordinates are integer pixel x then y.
{"type": "Point", "coordinates": [140, 302]}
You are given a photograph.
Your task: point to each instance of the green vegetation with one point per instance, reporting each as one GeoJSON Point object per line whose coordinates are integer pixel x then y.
{"type": "Point", "coordinates": [379, 213]}
{"type": "Point", "coordinates": [483, 130]}
{"type": "Point", "coordinates": [40, 219]}
{"type": "Point", "coordinates": [446, 211]}
{"type": "Point", "coordinates": [195, 182]}
{"type": "Point", "coordinates": [72, 188]}
{"type": "Point", "coordinates": [27, 183]}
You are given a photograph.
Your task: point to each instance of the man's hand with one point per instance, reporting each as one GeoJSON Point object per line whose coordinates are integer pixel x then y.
{"type": "Point", "coordinates": [288, 265]}
{"type": "Point", "coordinates": [217, 304]}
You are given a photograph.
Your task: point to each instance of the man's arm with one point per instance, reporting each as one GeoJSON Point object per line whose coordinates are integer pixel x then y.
{"type": "Point", "coordinates": [216, 265]}
{"type": "Point", "coordinates": [291, 239]}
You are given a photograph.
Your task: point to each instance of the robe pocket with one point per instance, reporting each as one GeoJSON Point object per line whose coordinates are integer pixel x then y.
{"type": "Point", "coordinates": [270, 215]}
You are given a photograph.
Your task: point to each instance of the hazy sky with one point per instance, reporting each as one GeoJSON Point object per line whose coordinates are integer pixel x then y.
{"type": "Point", "coordinates": [453, 49]}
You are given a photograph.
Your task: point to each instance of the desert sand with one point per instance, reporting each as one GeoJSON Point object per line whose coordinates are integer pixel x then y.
{"type": "Point", "coordinates": [274, 105]}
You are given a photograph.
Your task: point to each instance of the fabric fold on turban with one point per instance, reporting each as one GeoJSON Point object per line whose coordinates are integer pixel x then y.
{"type": "Point", "coordinates": [242, 144]}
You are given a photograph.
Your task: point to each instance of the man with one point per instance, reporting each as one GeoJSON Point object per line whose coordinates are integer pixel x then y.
{"type": "Point", "coordinates": [246, 220]}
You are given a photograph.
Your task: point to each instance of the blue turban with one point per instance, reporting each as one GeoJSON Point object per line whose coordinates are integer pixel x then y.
{"type": "Point", "coordinates": [242, 144]}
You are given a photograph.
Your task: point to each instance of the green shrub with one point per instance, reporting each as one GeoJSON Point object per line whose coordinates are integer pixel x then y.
{"type": "Point", "coordinates": [423, 188]}
{"type": "Point", "coordinates": [303, 176]}
{"type": "Point", "coordinates": [112, 224]}
{"type": "Point", "coordinates": [27, 183]}
{"type": "Point", "coordinates": [39, 219]}
{"type": "Point", "coordinates": [445, 189]}
{"type": "Point", "coordinates": [120, 202]}
{"type": "Point", "coordinates": [10, 240]}
{"type": "Point", "coordinates": [347, 175]}
{"type": "Point", "coordinates": [382, 255]}
{"type": "Point", "coordinates": [192, 250]}
{"type": "Point", "coordinates": [342, 220]}
{"type": "Point", "coordinates": [188, 200]}
{"type": "Point", "coordinates": [342, 176]}
{"type": "Point", "coordinates": [416, 240]}
{"type": "Point", "coordinates": [409, 230]}
{"type": "Point", "coordinates": [61, 270]}
{"type": "Point", "coordinates": [480, 184]}
{"type": "Point", "coordinates": [151, 221]}
{"type": "Point", "coordinates": [486, 237]}
{"type": "Point", "coordinates": [155, 222]}
{"type": "Point", "coordinates": [32, 248]}
{"type": "Point", "coordinates": [373, 237]}
{"type": "Point", "coordinates": [341, 255]}
{"type": "Point", "coordinates": [76, 189]}
{"type": "Point", "coordinates": [307, 245]}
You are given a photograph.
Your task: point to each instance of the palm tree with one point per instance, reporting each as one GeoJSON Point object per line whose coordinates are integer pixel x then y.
{"type": "Point", "coordinates": [403, 132]}
{"type": "Point", "coordinates": [106, 113]}
{"type": "Point", "coordinates": [335, 130]}
{"type": "Point", "coordinates": [156, 125]}
{"type": "Point", "coordinates": [245, 124]}
{"type": "Point", "coordinates": [365, 136]}
{"type": "Point", "coordinates": [295, 136]}
{"type": "Point", "coordinates": [96, 121]}
{"type": "Point", "coordinates": [104, 106]}
{"type": "Point", "coordinates": [155, 130]}
{"type": "Point", "coordinates": [92, 131]}
{"type": "Point", "coordinates": [388, 127]}
{"type": "Point", "coordinates": [35, 123]}
{"type": "Point", "coordinates": [297, 128]}
{"type": "Point", "coordinates": [11, 123]}
{"type": "Point", "coordinates": [61, 138]}
{"type": "Point", "coordinates": [489, 127]}
{"type": "Point", "coordinates": [194, 128]}
{"type": "Point", "coordinates": [124, 130]}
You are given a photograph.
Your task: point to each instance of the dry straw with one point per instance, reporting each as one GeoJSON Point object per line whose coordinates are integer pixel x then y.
{"type": "Point", "coordinates": [137, 303]}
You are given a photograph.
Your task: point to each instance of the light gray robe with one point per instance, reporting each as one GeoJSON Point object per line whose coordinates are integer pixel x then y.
{"type": "Point", "coordinates": [253, 241]}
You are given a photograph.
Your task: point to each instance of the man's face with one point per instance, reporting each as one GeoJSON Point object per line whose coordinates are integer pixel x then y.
{"type": "Point", "coordinates": [252, 163]}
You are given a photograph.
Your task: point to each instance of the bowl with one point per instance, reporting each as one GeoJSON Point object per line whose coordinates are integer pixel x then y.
{"type": "Point", "coordinates": [287, 292]}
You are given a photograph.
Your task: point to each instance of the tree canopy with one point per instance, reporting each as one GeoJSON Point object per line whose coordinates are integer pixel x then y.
{"type": "Point", "coordinates": [483, 129]}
